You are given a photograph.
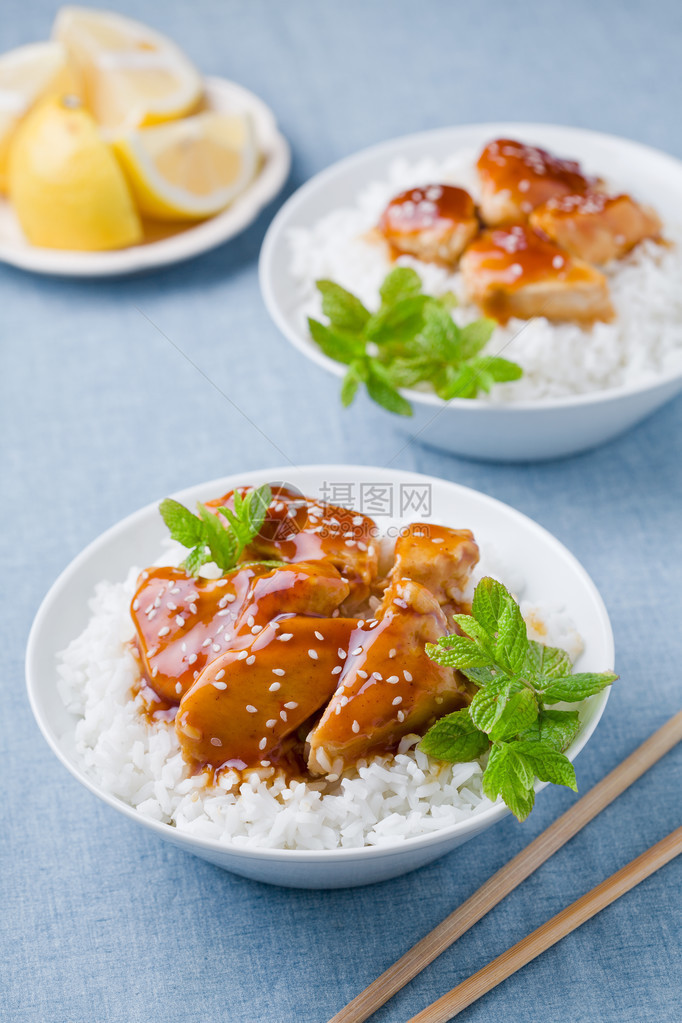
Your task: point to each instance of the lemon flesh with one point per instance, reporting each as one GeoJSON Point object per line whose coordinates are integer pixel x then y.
{"type": "Point", "coordinates": [27, 75]}
{"type": "Point", "coordinates": [190, 169]}
{"type": "Point", "coordinates": [66, 186]}
{"type": "Point", "coordinates": [132, 75]}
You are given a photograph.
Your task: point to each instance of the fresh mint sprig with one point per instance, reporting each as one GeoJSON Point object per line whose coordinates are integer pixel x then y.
{"type": "Point", "coordinates": [516, 679]}
{"type": "Point", "coordinates": [207, 536]}
{"type": "Point", "coordinates": [410, 339]}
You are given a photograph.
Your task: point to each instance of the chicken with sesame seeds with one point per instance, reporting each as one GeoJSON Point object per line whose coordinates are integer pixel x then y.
{"type": "Point", "coordinates": [518, 272]}
{"type": "Point", "coordinates": [299, 528]}
{"type": "Point", "coordinates": [439, 558]}
{"type": "Point", "coordinates": [515, 178]}
{"type": "Point", "coordinates": [388, 686]}
{"type": "Point", "coordinates": [248, 704]}
{"type": "Point", "coordinates": [596, 227]}
{"type": "Point", "coordinates": [435, 223]}
{"type": "Point", "coordinates": [184, 624]}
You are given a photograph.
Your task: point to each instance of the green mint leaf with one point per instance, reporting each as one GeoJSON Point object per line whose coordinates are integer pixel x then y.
{"type": "Point", "coordinates": [500, 370]}
{"type": "Point", "coordinates": [482, 676]}
{"type": "Point", "coordinates": [509, 775]}
{"type": "Point", "coordinates": [397, 323]}
{"type": "Point", "coordinates": [449, 300]}
{"type": "Point", "coordinates": [547, 763]}
{"type": "Point", "coordinates": [489, 702]}
{"type": "Point", "coordinates": [455, 738]}
{"type": "Point", "coordinates": [512, 637]}
{"type": "Point", "coordinates": [547, 661]}
{"type": "Point", "coordinates": [475, 630]}
{"type": "Point", "coordinates": [475, 336]}
{"type": "Point", "coordinates": [383, 393]}
{"type": "Point", "coordinates": [349, 387]}
{"type": "Point", "coordinates": [183, 526]}
{"type": "Point", "coordinates": [463, 383]}
{"type": "Point", "coordinates": [344, 310]}
{"type": "Point", "coordinates": [519, 712]}
{"type": "Point", "coordinates": [457, 652]}
{"type": "Point", "coordinates": [335, 345]}
{"type": "Point", "coordinates": [556, 728]}
{"type": "Point", "coordinates": [400, 283]}
{"type": "Point", "coordinates": [221, 542]}
{"type": "Point", "coordinates": [439, 336]}
{"type": "Point", "coordinates": [196, 558]}
{"type": "Point", "coordinates": [574, 688]}
{"type": "Point", "coordinates": [490, 600]}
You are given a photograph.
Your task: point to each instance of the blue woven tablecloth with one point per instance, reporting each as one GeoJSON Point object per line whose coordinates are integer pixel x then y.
{"type": "Point", "coordinates": [101, 922]}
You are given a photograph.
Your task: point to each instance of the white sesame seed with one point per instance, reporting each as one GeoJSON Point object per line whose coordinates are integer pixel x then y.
{"type": "Point", "coordinates": [250, 621]}
{"type": "Point", "coordinates": [313, 654]}
{"type": "Point", "coordinates": [401, 715]}
{"type": "Point", "coordinates": [337, 670]}
{"type": "Point", "coordinates": [155, 671]}
{"type": "Point", "coordinates": [191, 659]}
{"type": "Point", "coordinates": [283, 715]}
{"type": "Point", "coordinates": [152, 650]}
{"type": "Point", "coordinates": [176, 589]}
{"type": "Point", "coordinates": [206, 642]}
{"type": "Point", "coordinates": [215, 741]}
{"type": "Point", "coordinates": [136, 605]}
{"type": "Point", "coordinates": [251, 709]}
{"type": "Point", "coordinates": [319, 636]}
{"type": "Point", "coordinates": [278, 671]}
{"type": "Point", "coordinates": [251, 659]}
{"type": "Point", "coordinates": [164, 631]}
{"type": "Point", "coordinates": [171, 606]}
{"type": "Point", "coordinates": [392, 652]}
{"type": "Point", "coordinates": [242, 654]}
{"type": "Point", "coordinates": [220, 685]}
{"type": "Point", "coordinates": [216, 647]}
{"type": "Point", "coordinates": [179, 620]}
{"type": "Point", "coordinates": [358, 650]}
{"type": "Point", "coordinates": [178, 687]}
{"type": "Point", "coordinates": [255, 629]}
{"type": "Point", "coordinates": [286, 636]}
{"type": "Point", "coordinates": [265, 763]}
{"type": "Point", "coordinates": [407, 676]}
{"type": "Point", "coordinates": [356, 727]}
{"type": "Point", "coordinates": [397, 700]}
{"type": "Point", "coordinates": [220, 674]}
{"type": "Point", "coordinates": [193, 608]}
{"type": "Point", "coordinates": [271, 723]}
{"type": "Point", "coordinates": [263, 743]}
{"type": "Point", "coordinates": [338, 709]}
{"type": "Point", "coordinates": [343, 701]}
{"type": "Point", "coordinates": [392, 679]}
{"type": "Point", "coordinates": [342, 653]}
{"type": "Point", "coordinates": [183, 647]}
{"type": "Point", "coordinates": [377, 676]}
{"type": "Point", "coordinates": [291, 705]}
{"type": "Point", "coordinates": [274, 687]}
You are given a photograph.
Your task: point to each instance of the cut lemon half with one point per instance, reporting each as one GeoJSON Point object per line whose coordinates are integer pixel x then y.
{"type": "Point", "coordinates": [27, 74]}
{"type": "Point", "coordinates": [132, 75]}
{"type": "Point", "coordinates": [189, 169]}
{"type": "Point", "coordinates": [65, 183]}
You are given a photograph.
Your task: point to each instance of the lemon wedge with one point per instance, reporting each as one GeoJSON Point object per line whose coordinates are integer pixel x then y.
{"type": "Point", "coordinates": [132, 75]}
{"type": "Point", "coordinates": [27, 74]}
{"type": "Point", "coordinates": [65, 184]}
{"type": "Point", "coordinates": [189, 169]}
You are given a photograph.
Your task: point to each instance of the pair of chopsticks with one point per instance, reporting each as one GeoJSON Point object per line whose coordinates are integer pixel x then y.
{"type": "Point", "coordinates": [509, 877]}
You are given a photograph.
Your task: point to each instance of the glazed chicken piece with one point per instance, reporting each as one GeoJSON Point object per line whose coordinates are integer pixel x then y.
{"type": "Point", "coordinates": [247, 702]}
{"type": "Point", "coordinates": [300, 528]}
{"type": "Point", "coordinates": [183, 624]}
{"type": "Point", "coordinates": [435, 223]}
{"type": "Point", "coordinates": [388, 686]}
{"type": "Point", "coordinates": [515, 178]}
{"type": "Point", "coordinates": [596, 227]}
{"type": "Point", "coordinates": [517, 272]}
{"type": "Point", "coordinates": [439, 558]}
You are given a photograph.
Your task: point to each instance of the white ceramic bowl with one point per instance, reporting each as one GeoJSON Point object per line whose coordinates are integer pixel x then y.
{"type": "Point", "coordinates": [542, 429]}
{"type": "Point", "coordinates": [221, 95]}
{"type": "Point", "coordinates": [552, 574]}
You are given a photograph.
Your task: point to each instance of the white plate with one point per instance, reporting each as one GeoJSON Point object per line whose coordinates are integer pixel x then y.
{"type": "Point", "coordinates": [546, 428]}
{"type": "Point", "coordinates": [221, 95]}
{"type": "Point", "coordinates": [551, 574]}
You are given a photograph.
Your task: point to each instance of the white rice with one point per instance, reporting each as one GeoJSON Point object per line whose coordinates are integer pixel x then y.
{"type": "Point", "coordinates": [386, 800]}
{"type": "Point", "coordinates": [644, 340]}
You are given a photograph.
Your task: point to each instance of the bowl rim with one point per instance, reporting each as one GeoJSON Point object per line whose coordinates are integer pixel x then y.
{"type": "Point", "coordinates": [210, 845]}
{"type": "Point", "coordinates": [194, 240]}
{"type": "Point", "coordinates": [274, 238]}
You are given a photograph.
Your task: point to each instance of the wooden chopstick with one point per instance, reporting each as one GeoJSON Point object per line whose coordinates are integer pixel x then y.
{"type": "Point", "coordinates": [512, 874]}
{"type": "Point", "coordinates": [554, 930]}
